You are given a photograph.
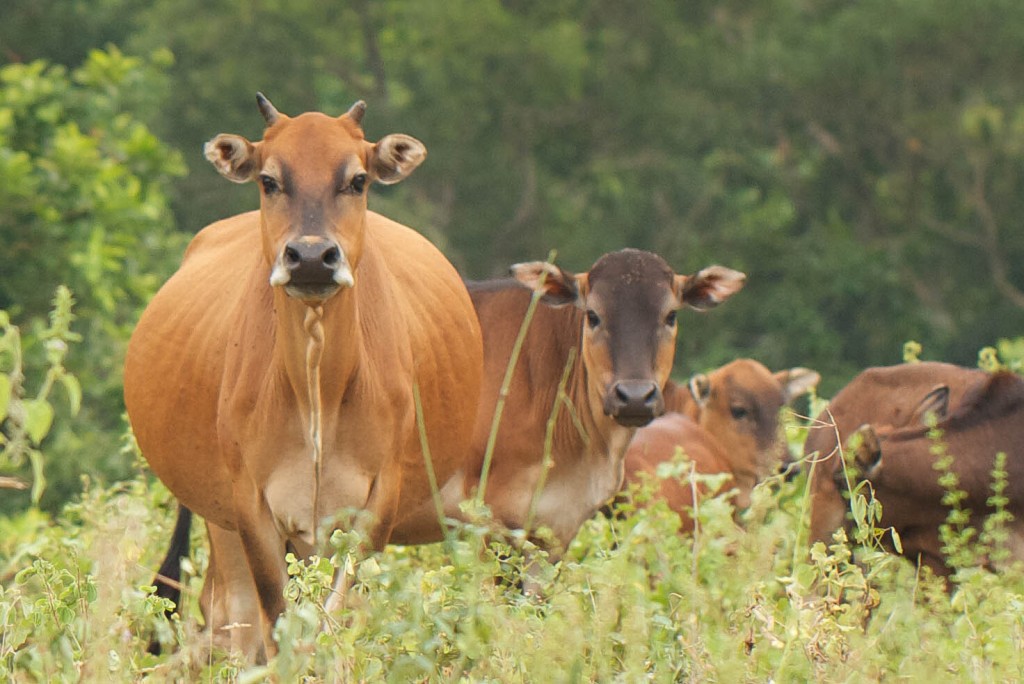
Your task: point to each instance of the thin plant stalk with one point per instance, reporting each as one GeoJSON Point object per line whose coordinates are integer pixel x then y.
{"type": "Point", "coordinates": [435, 492]}
{"type": "Point", "coordinates": [506, 383]}
{"type": "Point", "coordinates": [549, 438]}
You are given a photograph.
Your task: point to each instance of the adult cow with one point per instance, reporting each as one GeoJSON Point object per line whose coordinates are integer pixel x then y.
{"type": "Point", "coordinates": [611, 334]}
{"type": "Point", "coordinates": [270, 381]}
{"type": "Point", "coordinates": [900, 465]}
{"type": "Point", "coordinates": [728, 422]}
{"type": "Point", "coordinates": [884, 396]}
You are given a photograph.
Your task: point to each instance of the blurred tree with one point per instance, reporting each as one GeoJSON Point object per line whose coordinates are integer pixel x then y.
{"type": "Point", "coordinates": [861, 161]}
{"type": "Point", "coordinates": [82, 186]}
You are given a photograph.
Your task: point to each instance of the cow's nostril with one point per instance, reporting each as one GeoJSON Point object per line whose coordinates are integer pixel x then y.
{"type": "Point", "coordinates": [292, 256]}
{"type": "Point", "coordinates": [621, 393]}
{"type": "Point", "coordinates": [651, 394]}
{"type": "Point", "coordinates": [332, 256]}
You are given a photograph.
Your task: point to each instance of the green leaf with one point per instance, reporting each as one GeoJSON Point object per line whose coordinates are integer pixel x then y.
{"type": "Point", "coordinates": [72, 387]}
{"type": "Point", "coordinates": [38, 418]}
{"type": "Point", "coordinates": [38, 478]}
{"type": "Point", "coordinates": [5, 396]}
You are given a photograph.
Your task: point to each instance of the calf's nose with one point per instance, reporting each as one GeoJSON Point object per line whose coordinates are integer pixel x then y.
{"type": "Point", "coordinates": [634, 403]}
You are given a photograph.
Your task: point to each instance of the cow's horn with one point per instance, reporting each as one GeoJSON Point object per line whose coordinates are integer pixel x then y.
{"type": "Point", "coordinates": [356, 111]}
{"type": "Point", "coordinates": [268, 110]}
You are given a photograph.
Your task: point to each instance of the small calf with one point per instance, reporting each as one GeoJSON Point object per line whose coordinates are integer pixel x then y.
{"type": "Point", "coordinates": [728, 422]}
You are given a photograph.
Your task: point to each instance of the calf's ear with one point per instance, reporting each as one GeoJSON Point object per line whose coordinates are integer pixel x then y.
{"type": "Point", "coordinates": [700, 389]}
{"type": "Point", "coordinates": [558, 287]}
{"type": "Point", "coordinates": [234, 157]}
{"type": "Point", "coordinates": [936, 403]}
{"type": "Point", "coordinates": [709, 287]}
{"type": "Point", "coordinates": [867, 452]}
{"type": "Point", "coordinates": [797, 381]}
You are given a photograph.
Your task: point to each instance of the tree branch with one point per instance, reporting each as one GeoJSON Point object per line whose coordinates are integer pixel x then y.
{"type": "Point", "coordinates": [373, 56]}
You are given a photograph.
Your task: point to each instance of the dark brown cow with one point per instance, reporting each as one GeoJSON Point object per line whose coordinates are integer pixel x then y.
{"type": "Point", "coordinates": [885, 396]}
{"type": "Point", "coordinates": [728, 422]}
{"type": "Point", "coordinates": [621, 327]}
{"type": "Point", "coordinates": [270, 381]}
{"type": "Point", "coordinates": [899, 464]}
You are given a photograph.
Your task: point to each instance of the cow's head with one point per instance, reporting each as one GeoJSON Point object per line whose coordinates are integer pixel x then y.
{"type": "Point", "coordinates": [629, 301]}
{"type": "Point", "coordinates": [313, 172]}
{"type": "Point", "coordinates": [740, 404]}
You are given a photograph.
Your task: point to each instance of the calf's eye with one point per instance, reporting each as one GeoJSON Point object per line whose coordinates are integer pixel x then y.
{"type": "Point", "coordinates": [670, 319]}
{"type": "Point", "coordinates": [738, 412]}
{"type": "Point", "coordinates": [593, 320]}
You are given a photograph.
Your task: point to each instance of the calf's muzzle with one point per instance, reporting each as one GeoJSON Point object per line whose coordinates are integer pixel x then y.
{"type": "Point", "coordinates": [634, 403]}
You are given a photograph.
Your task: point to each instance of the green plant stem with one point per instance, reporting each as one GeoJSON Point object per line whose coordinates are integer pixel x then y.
{"type": "Point", "coordinates": [549, 438]}
{"type": "Point", "coordinates": [435, 493]}
{"type": "Point", "coordinates": [506, 382]}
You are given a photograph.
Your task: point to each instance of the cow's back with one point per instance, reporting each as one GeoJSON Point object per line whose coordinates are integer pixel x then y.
{"type": "Point", "coordinates": [885, 395]}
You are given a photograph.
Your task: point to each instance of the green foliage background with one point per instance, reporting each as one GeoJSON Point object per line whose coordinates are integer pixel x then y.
{"type": "Point", "coordinates": [862, 162]}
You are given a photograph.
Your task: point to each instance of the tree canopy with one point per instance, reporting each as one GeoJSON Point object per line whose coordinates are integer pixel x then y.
{"type": "Point", "coordinates": [862, 162]}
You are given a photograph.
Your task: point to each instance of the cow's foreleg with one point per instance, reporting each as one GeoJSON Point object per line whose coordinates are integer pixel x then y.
{"type": "Point", "coordinates": [229, 600]}
{"type": "Point", "coordinates": [382, 505]}
{"type": "Point", "coordinates": [264, 550]}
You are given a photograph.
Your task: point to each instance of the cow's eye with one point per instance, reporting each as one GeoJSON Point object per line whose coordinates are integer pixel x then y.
{"type": "Point", "coordinates": [670, 319]}
{"type": "Point", "coordinates": [593, 320]}
{"type": "Point", "coordinates": [358, 184]}
{"type": "Point", "coordinates": [269, 184]}
{"type": "Point", "coordinates": [738, 412]}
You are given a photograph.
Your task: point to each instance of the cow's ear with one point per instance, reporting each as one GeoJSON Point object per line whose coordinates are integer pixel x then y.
{"type": "Point", "coordinates": [936, 403]}
{"type": "Point", "coordinates": [700, 389]}
{"type": "Point", "coordinates": [709, 287]}
{"type": "Point", "coordinates": [797, 381]}
{"type": "Point", "coordinates": [234, 157]}
{"type": "Point", "coordinates": [558, 286]}
{"type": "Point", "coordinates": [395, 156]}
{"type": "Point", "coordinates": [867, 451]}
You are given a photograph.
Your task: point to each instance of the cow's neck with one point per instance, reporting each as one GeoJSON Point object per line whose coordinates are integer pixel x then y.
{"type": "Point", "coordinates": [299, 326]}
{"type": "Point", "coordinates": [601, 436]}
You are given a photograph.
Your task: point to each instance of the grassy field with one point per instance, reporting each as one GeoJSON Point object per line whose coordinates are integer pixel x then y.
{"type": "Point", "coordinates": [633, 601]}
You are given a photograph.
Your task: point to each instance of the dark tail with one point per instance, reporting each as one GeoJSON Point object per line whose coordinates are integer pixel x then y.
{"type": "Point", "coordinates": [168, 577]}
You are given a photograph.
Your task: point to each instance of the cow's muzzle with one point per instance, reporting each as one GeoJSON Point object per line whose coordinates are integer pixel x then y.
{"type": "Point", "coordinates": [634, 403]}
{"type": "Point", "coordinates": [311, 267]}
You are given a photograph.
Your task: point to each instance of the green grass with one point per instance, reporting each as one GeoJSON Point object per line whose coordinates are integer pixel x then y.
{"type": "Point", "coordinates": [632, 601]}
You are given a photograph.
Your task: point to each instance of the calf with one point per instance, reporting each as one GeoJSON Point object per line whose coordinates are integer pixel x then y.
{"type": "Point", "coordinates": [886, 396]}
{"type": "Point", "coordinates": [728, 422]}
{"type": "Point", "coordinates": [900, 465]}
{"type": "Point", "coordinates": [614, 347]}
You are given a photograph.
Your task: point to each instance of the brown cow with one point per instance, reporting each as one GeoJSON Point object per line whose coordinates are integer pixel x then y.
{"type": "Point", "coordinates": [270, 381]}
{"type": "Point", "coordinates": [885, 396]}
{"type": "Point", "coordinates": [622, 333]}
{"type": "Point", "coordinates": [899, 464]}
{"type": "Point", "coordinates": [727, 423]}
